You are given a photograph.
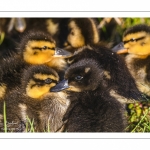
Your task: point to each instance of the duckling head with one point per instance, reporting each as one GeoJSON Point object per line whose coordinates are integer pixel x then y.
{"type": "Point", "coordinates": [84, 75]}
{"type": "Point", "coordinates": [38, 48]}
{"type": "Point", "coordinates": [136, 40]}
{"type": "Point", "coordinates": [37, 81]}
{"type": "Point", "coordinates": [81, 31]}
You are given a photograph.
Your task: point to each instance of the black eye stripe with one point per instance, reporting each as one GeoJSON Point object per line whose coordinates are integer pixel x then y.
{"type": "Point", "coordinates": [132, 40]}
{"type": "Point", "coordinates": [43, 48]}
{"type": "Point", "coordinates": [42, 82]}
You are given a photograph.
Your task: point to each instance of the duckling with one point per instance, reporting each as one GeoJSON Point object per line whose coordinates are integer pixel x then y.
{"type": "Point", "coordinates": [81, 32]}
{"type": "Point", "coordinates": [37, 44]}
{"type": "Point", "coordinates": [35, 48]}
{"type": "Point", "coordinates": [116, 72]}
{"type": "Point", "coordinates": [136, 44]}
{"type": "Point", "coordinates": [33, 100]}
{"type": "Point", "coordinates": [92, 108]}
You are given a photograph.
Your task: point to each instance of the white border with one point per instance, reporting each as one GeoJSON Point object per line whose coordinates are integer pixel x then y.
{"type": "Point", "coordinates": [74, 5]}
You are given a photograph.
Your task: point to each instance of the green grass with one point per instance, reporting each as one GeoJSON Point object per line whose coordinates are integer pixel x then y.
{"type": "Point", "coordinates": [30, 125]}
{"type": "Point", "coordinates": [5, 119]}
{"type": "Point", "coordinates": [2, 36]}
{"type": "Point", "coordinates": [138, 117]}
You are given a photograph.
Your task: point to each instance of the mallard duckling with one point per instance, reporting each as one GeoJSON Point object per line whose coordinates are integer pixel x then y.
{"type": "Point", "coordinates": [81, 32]}
{"type": "Point", "coordinates": [37, 44]}
{"type": "Point", "coordinates": [36, 47]}
{"type": "Point", "coordinates": [136, 44]}
{"type": "Point", "coordinates": [34, 100]}
{"type": "Point", "coordinates": [116, 72]}
{"type": "Point", "coordinates": [92, 108]}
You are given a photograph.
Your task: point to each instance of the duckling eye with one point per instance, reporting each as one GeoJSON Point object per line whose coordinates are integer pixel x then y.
{"type": "Point", "coordinates": [132, 40]}
{"type": "Point", "coordinates": [142, 43]}
{"type": "Point", "coordinates": [72, 33]}
{"type": "Point", "coordinates": [35, 53]}
{"type": "Point", "coordinates": [44, 47]}
{"type": "Point", "coordinates": [48, 80]}
{"type": "Point", "coordinates": [78, 78]}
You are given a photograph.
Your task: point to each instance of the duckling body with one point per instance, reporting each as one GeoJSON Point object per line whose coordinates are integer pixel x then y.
{"type": "Point", "coordinates": [92, 107]}
{"type": "Point", "coordinates": [136, 44]}
{"type": "Point", "coordinates": [101, 115]}
{"type": "Point", "coordinates": [35, 48]}
{"type": "Point", "coordinates": [34, 100]}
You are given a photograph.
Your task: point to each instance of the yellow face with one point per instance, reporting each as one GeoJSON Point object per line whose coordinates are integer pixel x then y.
{"type": "Point", "coordinates": [38, 90]}
{"type": "Point", "coordinates": [75, 37]}
{"type": "Point", "coordinates": [137, 43]}
{"type": "Point", "coordinates": [39, 52]}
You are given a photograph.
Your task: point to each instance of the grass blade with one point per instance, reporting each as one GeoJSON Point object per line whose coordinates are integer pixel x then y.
{"type": "Point", "coordinates": [5, 119]}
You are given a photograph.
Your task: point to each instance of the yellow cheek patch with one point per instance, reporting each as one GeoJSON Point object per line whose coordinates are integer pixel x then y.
{"type": "Point", "coordinates": [44, 76]}
{"type": "Point", "coordinates": [40, 57]}
{"type": "Point", "coordinates": [2, 90]}
{"type": "Point", "coordinates": [76, 40]}
{"type": "Point", "coordinates": [36, 56]}
{"type": "Point", "coordinates": [38, 91]}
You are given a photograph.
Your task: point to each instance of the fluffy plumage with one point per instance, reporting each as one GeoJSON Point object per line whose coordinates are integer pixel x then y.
{"type": "Point", "coordinates": [36, 47]}
{"type": "Point", "coordinates": [136, 44]}
{"type": "Point", "coordinates": [92, 108]}
{"type": "Point", "coordinates": [34, 100]}
{"type": "Point", "coordinates": [116, 72]}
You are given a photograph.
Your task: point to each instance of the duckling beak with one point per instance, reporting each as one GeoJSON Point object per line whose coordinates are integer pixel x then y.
{"type": "Point", "coordinates": [60, 86]}
{"type": "Point", "coordinates": [120, 49]}
{"type": "Point", "coordinates": [61, 52]}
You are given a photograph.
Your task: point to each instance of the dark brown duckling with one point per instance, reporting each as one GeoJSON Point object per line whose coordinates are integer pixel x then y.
{"type": "Point", "coordinates": [92, 108]}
